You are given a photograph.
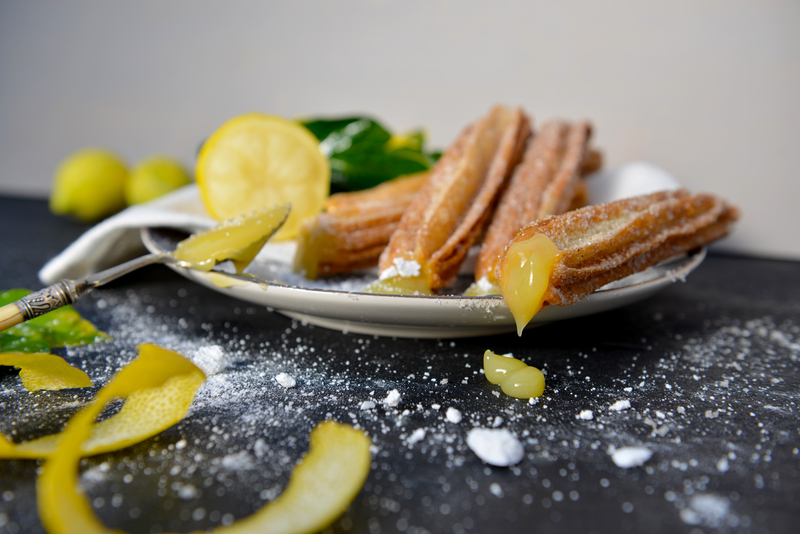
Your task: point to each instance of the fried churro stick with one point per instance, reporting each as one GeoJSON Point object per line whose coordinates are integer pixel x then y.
{"type": "Point", "coordinates": [547, 182]}
{"type": "Point", "coordinates": [562, 259]}
{"type": "Point", "coordinates": [452, 208]}
{"type": "Point", "coordinates": [355, 227]}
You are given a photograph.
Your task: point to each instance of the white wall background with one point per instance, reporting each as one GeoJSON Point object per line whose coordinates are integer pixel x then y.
{"type": "Point", "coordinates": [710, 90]}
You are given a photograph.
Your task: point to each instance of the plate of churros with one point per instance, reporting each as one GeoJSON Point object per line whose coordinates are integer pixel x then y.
{"type": "Point", "coordinates": [514, 227]}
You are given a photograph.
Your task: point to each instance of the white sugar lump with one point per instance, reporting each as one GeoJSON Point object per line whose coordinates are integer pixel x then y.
{"type": "Point", "coordinates": [392, 398]}
{"type": "Point", "coordinates": [417, 435]}
{"type": "Point", "coordinates": [453, 415]}
{"type": "Point", "coordinates": [620, 405]}
{"type": "Point", "coordinates": [626, 457]}
{"type": "Point", "coordinates": [495, 446]}
{"type": "Point", "coordinates": [285, 380]}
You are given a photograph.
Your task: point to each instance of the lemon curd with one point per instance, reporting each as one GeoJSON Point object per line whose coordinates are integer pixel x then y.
{"type": "Point", "coordinates": [238, 240]}
{"type": "Point", "coordinates": [525, 275]}
{"type": "Point", "coordinates": [400, 285]}
{"type": "Point", "coordinates": [483, 288]}
{"type": "Point", "coordinates": [515, 377]}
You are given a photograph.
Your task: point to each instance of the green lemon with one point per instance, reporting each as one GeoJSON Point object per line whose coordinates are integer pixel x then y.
{"type": "Point", "coordinates": [153, 177]}
{"type": "Point", "coordinates": [89, 185]}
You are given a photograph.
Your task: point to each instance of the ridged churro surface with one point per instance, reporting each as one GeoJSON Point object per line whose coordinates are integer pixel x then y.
{"type": "Point", "coordinates": [355, 227]}
{"type": "Point", "coordinates": [605, 242]}
{"type": "Point", "coordinates": [547, 182]}
{"type": "Point", "coordinates": [452, 208]}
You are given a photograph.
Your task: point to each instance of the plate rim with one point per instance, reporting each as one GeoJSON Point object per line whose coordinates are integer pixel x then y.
{"type": "Point", "coordinates": [600, 300]}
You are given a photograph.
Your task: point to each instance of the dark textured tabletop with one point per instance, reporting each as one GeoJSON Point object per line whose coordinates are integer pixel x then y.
{"type": "Point", "coordinates": [708, 367]}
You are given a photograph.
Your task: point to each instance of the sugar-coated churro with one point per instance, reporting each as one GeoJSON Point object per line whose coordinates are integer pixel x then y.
{"type": "Point", "coordinates": [452, 208]}
{"type": "Point", "coordinates": [354, 228]}
{"type": "Point", "coordinates": [547, 182]}
{"type": "Point", "coordinates": [562, 259]}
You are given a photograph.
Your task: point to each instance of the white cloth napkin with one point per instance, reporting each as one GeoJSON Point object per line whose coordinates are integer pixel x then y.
{"type": "Point", "coordinates": [116, 239]}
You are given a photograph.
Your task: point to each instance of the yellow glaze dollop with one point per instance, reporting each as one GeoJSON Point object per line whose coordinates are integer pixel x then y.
{"type": "Point", "coordinates": [524, 275]}
{"type": "Point", "coordinates": [515, 377]}
{"type": "Point", "coordinates": [237, 240]}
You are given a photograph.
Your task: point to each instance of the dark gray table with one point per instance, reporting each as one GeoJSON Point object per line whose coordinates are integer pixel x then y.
{"type": "Point", "coordinates": [709, 367]}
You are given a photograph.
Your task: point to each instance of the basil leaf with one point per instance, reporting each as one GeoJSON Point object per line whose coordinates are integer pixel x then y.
{"type": "Point", "coordinates": [363, 153]}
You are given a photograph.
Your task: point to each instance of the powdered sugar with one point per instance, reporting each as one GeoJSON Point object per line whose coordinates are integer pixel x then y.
{"type": "Point", "coordinates": [627, 457]}
{"type": "Point", "coordinates": [245, 417]}
{"type": "Point", "coordinates": [402, 268]}
{"type": "Point", "coordinates": [453, 415]}
{"type": "Point", "coordinates": [495, 446]}
{"type": "Point", "coordinates": [620, 405]}
{"type": "Point", "coordinates": [285, 380]}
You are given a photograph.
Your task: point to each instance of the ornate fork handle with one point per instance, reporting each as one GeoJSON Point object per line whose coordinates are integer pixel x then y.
{"type": "Point", "coordinates": [66, 292]}
{"type": "Point", "coordinates": [60, 294]}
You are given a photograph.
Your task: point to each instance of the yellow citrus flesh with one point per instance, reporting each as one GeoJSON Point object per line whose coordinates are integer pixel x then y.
{"type": "Point", "coordinates": [525, 275]}
{"type": "Point", "coordinates": [153, 177]}
{"type": "Point", "coordinates": [89, 185]}
{"type": "Point", "coordinates": [258, 160]}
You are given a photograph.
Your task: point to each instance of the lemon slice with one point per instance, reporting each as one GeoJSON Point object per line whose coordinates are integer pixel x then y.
{"type": "Point", "coordinates": [257, 160]}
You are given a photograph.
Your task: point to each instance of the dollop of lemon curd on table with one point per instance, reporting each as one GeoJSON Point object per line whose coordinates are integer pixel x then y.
{"type": "Point", "coordinates": [524, 276]}
{"type": "Point", "coordinates": [515, 377]}
{"type": "Point", "coordinates": [237, 240]}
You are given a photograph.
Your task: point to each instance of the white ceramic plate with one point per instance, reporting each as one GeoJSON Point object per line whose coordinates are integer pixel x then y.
{"type": "Point", "coordinates": [338, 304]}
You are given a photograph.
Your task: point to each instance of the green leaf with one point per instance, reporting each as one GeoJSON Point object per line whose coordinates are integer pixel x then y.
{"type": "Point", "coordinates": [363, 153]}
{"type": "Point", "coordinates": [58, 328]}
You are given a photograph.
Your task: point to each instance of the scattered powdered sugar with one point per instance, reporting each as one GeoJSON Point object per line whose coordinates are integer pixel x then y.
{"type": "Point", "coordinates": [484, 284]}
{"type": "Point", "coordinates": [242, 428]}
{"type": "Point", "coordinates": [709, 510]}
{"type": "Point", "coordinates": [453, 415]}
{"type": "Point", "coordinates": [392, 398]}
{"type": "Point", "coordinates": [211, 359]}
{"type": "Point", "coordinates": [187, 492]}
{"type": "Point", "coordinates": [238, 461]}
{"type": "Point", "coordinates": [403, 268]}
{"type": "Point", "coordinates": [496, 490]}
{"type": "Point", "coordinates": [285, 380]}
{"type": "Point", "coordinates": [495, 446]}
{"type": "Point", "coordinates": [416, 436]}
{"type": "Point", "coordinates": [620, 405]}
{"type": "Point", "coordinates": [627, 457]}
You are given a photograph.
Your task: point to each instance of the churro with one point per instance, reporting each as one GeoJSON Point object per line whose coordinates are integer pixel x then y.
{"type": "Point", "coordinates": [576, 253]}
{"type": "Point", "coordinates": [354, 228]}
{"type": "Point", "coordinates": [547, 182]}
{"type": "Point", "coordinates": [452, 208]}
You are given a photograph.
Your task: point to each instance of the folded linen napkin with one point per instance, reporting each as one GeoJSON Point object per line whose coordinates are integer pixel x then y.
{"type": "Point", "coordinates": [116, 239]}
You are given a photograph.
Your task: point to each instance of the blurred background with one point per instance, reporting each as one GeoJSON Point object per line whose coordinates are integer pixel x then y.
{"type": "Point", "coordinates": [707, 90]}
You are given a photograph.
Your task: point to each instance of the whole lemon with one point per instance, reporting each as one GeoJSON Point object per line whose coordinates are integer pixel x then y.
{"type": "Point", "coordinates": [153, 177]}
{"type": "Point", "coordinates": [89, 185]}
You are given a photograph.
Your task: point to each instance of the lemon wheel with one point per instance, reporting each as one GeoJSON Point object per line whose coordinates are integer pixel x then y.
{"type": "Point", "coordinates": [257, 160]}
